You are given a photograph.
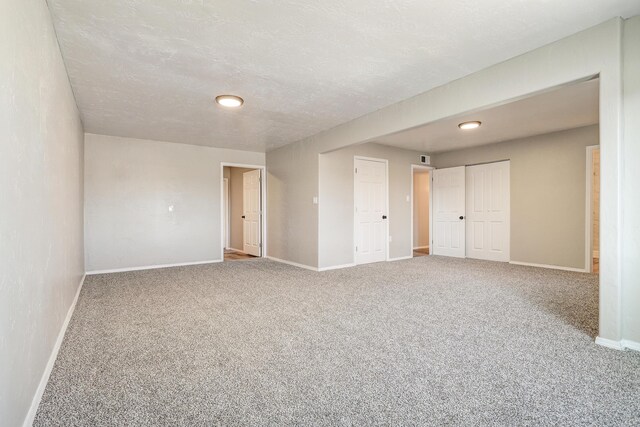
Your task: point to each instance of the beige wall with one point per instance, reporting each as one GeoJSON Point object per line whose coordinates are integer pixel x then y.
{"type": "Point", "coordinates": [548, 185]}
{"type": "Point", "coordinates": [420, 209]}
{"type": "Point", "coordinates": [336, 201]}
{"type": "Point", "coordinates": [41, 161]}
{"type": "Point", "coordinates": [153, 203]}
{"type": "Point", "coordinates": [292, 217]}
{"type": "Point", "coordinates": [236, 206]}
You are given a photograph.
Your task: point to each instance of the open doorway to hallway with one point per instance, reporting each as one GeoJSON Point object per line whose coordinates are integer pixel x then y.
{"type": "Point", "coordinates": [421, 210]}
{"type": "Point", "coordinates": [242, 210]}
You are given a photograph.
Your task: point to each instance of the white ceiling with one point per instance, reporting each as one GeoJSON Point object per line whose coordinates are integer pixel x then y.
{"type": "Point", "coordinates": [567, 107]}
{"type": "Point", "coordinates": [151, 68]}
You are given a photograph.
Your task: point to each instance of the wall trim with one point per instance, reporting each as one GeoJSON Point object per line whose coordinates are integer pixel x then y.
{"type": "Point", "coordinates": [236, 250]}
{"type": "Point", "coordinates": [337, 267]}
{"type": "Point", "coordinates": [400, 258]}
{"type": "Point", "coordinates": [35, 403]}
{"type": "Point", "coordinates": [631, 345]}
{"type": "Point", "coordinates": [552, 267]}
{"type": "Point", "coordinates": [421, 247]}
{"type": "Point", "coordinates": [618, 345]}
{"type": "Point", "coordinates": [295, 264]}
{"type": "Point", "coordinates": [151, 267]}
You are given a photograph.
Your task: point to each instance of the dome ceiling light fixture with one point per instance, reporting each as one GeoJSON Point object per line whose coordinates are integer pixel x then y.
{"type": "Point", "coordinates": [469, 125]}
{"type": "Point", "coordinates": [229, 101]}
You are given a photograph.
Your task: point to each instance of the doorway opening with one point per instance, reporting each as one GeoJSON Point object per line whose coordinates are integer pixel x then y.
{"type": "Point", "coordinates": [242, 212]}
{"type": "Point", "coordinates": [593, 210]}
{"type": "Point", "coordinates": [421, 210]}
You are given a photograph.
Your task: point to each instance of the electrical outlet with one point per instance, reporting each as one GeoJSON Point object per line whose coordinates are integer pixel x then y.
{"type": "Point", "coordinates": [391, 238]}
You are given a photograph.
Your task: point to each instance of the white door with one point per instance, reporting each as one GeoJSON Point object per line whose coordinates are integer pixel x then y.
{"type": "Point", "coordinates": [488, 200]}
{"type": "Point", "coordinates": [448, 212]}
{"type": "Point", "coordinates": [370, 200]}
{"type": "Point", "coordinates": [251, 212]}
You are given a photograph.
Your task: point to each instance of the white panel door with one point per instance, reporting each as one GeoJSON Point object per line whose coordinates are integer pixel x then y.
{"type": "Point", "coordinates": [370, 201]}
{"type": "Point", "coordinates": [488, 211]}
{"type": "Point", "coordinates": [448, 212]}
{"type": "Point", "coordinates": [251, 212]}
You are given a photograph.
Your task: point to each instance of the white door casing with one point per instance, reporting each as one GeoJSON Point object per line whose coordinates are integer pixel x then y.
{"type": "Point", "coordinates": [449, 212]}
{"type": "Point", "coordinates": [370, 200]}
{"type": "Point", "coordinates": [488, 211]}
{"type": "Point", "coordinates": [251, 208]}
{"type": "Point", "coordinates": [225, 209]}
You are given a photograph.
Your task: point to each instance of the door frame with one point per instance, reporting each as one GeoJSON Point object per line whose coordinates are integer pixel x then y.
{"type": "Point", "coordinates": [355, 219]}
{"type": "Point", "coordinates": [263, 203]}
{"type": "Point", "coordinates": [226, 218]}
{"type": "Point", "coordinates": [429, 169]}
{"type": "Point", "coordinates": [588, 236]}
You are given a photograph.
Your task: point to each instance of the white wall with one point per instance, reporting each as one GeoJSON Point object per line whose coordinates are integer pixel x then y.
{"type": "Point", "coordinates": [336, 201]}
{"type": "Point", "coordinates": [631, 201]}
{"type": "Point", "coordinates": [130, 185]}
{"type": "Point", "coordinates": [41, 261]}
{"type": "Point", "coordinates": [597, 50]}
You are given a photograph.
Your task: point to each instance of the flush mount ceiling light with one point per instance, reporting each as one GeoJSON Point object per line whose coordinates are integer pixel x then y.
{"type": "Point", "coordinates": [469, 125]}
{"type": "Point", "coordinates": [229, 101]}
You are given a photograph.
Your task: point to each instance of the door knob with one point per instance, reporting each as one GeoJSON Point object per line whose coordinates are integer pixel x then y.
{"type": "Point", "coordinates": [384, 217]}
{"type": "Point", "coordinates": [461, 217]}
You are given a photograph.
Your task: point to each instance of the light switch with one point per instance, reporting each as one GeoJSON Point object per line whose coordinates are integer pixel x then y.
{"type": "Point", "coordinates": [408, 198]}
{"type": "Point", "coordinates": [315, 200]}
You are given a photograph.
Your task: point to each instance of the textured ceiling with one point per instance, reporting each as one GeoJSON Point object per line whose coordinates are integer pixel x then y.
{"type": "Point", "coordinates": [567, 107]}
{"type": "Point", "coordinates": [151, 68]}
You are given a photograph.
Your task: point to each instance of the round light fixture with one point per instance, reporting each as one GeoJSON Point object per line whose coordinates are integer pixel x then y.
{"type": "Point", "coordinates": [469, 125]}
{"type": "Point", "coordinates": [229, 101]}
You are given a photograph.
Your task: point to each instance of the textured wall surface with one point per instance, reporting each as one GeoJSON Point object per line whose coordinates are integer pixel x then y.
{"type": "Point", "coordinates": [41, 254]}
{"type": "Point", "coordinates": [548, 179]}
{"type": "Point", "coordinates": [336, 201]}
{"type": "Point", "coordinates": [150, 69]}
{"type": "Point", "coordinates": [153, 203]}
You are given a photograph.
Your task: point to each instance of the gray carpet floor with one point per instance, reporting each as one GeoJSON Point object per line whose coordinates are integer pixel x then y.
{"type": "Point", "coordinates": [425, 341]}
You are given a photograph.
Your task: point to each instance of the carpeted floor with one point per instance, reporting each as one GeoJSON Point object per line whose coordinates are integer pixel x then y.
{"type": "Point", "coordinates": [425, 341]}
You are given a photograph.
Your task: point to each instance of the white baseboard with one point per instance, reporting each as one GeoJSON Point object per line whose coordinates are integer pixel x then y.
{"type": "Point", "coordinates": [295, 264]}
{"type": "Point", "coordinates": [400, 258]}
{"type": "Point", "coordinates": [151, 267]}
{"type": "Point", "coordinates": [235, 250]}
{"type": "Point", "coordinates": [421, 247]}
{"type": "Point", "coordinates": [631, 345]}
{"type": "Point", "coordinates": [336, 267]}
{"type": "Point", "coordinates": [618, 345]}
{"type": "Point", "coordinates": [33, 409]}
{"type": "Point", "coordinates": [553, 267]}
